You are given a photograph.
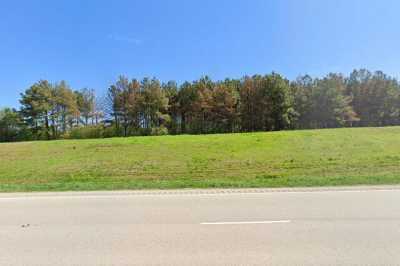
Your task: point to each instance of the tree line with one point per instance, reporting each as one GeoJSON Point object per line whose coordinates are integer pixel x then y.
{"type": "Point", "coordinates": [253, 103]}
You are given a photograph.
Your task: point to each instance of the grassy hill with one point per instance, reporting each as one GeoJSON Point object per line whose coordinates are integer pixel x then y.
{"type": "Point", "coordinates": [274, 159]}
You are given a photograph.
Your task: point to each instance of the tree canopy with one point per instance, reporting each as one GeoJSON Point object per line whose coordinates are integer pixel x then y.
{"type": "Point", "coordinates": [253, 103]}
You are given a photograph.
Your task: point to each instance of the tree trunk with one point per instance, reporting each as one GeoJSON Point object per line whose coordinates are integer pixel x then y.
{"type": "Point", "coordinates": [47, 127]}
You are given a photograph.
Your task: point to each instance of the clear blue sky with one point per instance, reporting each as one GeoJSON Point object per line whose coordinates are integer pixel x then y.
{"type": "Point", "coordinates": [89, 43]}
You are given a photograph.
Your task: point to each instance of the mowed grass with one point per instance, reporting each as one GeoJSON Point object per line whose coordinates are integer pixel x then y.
{"type": "Point", "coordinates": [275, 159]}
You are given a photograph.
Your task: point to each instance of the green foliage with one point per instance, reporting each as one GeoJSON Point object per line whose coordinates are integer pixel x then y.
{"type": "Point", "coordinates": [87, 132]}
{"type": "Point", "coordinates": [11, 126]}
{"type": "Point", "coordinates": [322, 103]}
{"type": "Point", "coordinates": [85, 101]}
{"type": "Point", "coordinates": [253, 103]}
{"type": "Point", "coordinates": [51, 111]}
{"type": "Point", "coordinates": [375, 98]}
{"type": "Point", "coordinates": [37, 103]}
{"type": "Point", "coordinates": [110, 132]}
{"type": "Point", "coordinates": [266, 103]}
{"type": "Point", "coordinates": [159, 131]}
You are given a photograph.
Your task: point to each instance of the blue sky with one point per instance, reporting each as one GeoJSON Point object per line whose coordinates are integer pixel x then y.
{"type": "Point", "coordinates": [90, 43]}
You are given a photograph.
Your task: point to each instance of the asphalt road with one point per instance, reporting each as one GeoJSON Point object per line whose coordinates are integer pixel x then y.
{"type": "Point", "coordinates": [219, 228]}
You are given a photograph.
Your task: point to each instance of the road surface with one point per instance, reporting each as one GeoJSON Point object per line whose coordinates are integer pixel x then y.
{"type": "Point", "coordinates": [298, 227]}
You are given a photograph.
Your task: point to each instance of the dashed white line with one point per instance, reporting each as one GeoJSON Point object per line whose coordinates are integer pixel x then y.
{"type": "Point", "coordinates": [248, 222]}
{"type": "Point", "coordinates": [217, 192]}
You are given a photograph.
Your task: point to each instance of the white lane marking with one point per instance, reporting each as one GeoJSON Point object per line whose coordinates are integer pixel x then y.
{"type": "Point", "coordinates": [251, 222]}
{"type": "Point", "coordinates": [184, 193]}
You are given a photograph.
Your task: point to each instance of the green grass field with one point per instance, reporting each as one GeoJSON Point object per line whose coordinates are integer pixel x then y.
{"type": "Point", "coordinates": [275, 159]}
